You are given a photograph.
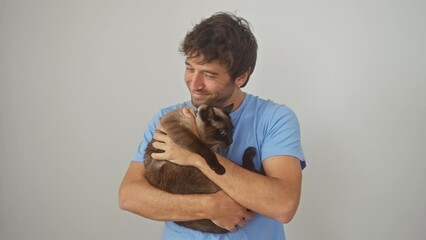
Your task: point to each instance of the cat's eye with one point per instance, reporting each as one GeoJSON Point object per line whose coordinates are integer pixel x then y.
{"type": "Point", "coordinates": [222, 132]}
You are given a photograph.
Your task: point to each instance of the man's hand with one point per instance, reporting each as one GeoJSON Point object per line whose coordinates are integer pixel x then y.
{"type": "Point", "coordinates": [172, 151]}
{"type": "Point", "coordinates": [227, 213]}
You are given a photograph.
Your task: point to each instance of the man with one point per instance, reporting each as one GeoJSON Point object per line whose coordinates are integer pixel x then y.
{"type": "Point", "coordinates": [220, 57]}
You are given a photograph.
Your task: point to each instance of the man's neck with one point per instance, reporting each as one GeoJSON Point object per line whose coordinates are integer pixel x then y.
{"type": "Point", "coordinates": [237, 99]}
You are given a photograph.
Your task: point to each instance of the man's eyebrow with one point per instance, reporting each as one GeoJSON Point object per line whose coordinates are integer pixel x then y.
{"type": "Point", "coordinates": [206, 71]}
{"type": "Point", "coordinates": [211, 73]}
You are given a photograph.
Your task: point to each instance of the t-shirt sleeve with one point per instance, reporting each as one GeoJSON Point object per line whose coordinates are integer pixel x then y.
{"type": "Point", "coordinates": [282, 135]}
{"type": "Point", "coordinates": [147, 137]}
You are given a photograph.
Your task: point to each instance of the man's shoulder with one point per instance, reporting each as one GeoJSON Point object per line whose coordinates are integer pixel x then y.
{"type": "Point", "coordinates": [163, 111]}
{"type": "Point", "coordinates": [267, 106]}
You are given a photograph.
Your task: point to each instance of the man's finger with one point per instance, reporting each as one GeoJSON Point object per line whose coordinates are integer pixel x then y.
{"type": "Point", "coordinates": [249, 215]}
{"type": "Point", "coordinates": [160, 137]}
{"type": "Point", "coordinates": [242, 223]}
{"type": "Point", "coordinates": [160, 128]}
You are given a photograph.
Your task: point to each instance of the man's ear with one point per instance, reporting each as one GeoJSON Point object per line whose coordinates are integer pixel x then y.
{"type": "Point", "coordinates": [241, 80]}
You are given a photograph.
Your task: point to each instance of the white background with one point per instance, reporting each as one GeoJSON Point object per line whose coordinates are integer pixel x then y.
{"type": "Point", "coordinates": [81, 79]}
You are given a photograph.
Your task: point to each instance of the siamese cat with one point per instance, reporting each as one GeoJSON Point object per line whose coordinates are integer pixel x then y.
{"type": "Point", "coordinates": [213, 131]}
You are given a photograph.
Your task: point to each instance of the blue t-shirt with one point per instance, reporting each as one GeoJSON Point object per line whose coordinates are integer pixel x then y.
{"type": "Point", "coordinates": [271, 128]}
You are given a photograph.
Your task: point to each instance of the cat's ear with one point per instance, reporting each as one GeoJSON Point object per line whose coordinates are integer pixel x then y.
{"type": "Point", "coordinates": [229, 108]}
{"type": "Point", "coordinates": [210, 112]}
{"type": "Point", "coordinates": [207, 113]}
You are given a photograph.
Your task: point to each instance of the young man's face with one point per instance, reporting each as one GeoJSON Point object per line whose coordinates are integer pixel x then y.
{"type": "Point", "coordinates": [208, 82]}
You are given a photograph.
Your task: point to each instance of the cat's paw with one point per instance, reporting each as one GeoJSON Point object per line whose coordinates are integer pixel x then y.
{"type": "Point", "coordinates": [249, 153]}
{"type": "Point", "coordinates": [218, 169]}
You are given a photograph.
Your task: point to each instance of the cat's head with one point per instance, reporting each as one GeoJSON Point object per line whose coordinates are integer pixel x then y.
{"type": "Point", "coordinates": [215, 126]}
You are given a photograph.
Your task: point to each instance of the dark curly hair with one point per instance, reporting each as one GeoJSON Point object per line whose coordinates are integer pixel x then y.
{"type": "Point", "coordinates": [226, 38]}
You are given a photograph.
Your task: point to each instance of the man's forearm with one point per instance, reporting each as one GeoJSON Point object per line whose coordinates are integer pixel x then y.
{"type": "Point", "coordinates": [138, 196]}
{"type": "Point", "coordinates": [276, 196]}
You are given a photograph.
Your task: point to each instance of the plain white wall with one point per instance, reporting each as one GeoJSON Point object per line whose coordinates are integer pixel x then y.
{"type": "Point", "coordinates": [81, 79]}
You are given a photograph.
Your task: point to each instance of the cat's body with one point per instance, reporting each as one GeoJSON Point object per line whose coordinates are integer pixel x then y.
{"type": "Point", "coordinates": [214, 130]}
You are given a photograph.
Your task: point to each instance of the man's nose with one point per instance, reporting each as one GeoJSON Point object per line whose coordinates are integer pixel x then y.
{"type": "Point", "coordinates": [197, 81]}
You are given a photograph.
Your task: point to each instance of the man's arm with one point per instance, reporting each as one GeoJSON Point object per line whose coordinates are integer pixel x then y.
{"type": "Point", "coordinates": [138, 196]}
{"type": "Point", "coordinates": [275, 195]}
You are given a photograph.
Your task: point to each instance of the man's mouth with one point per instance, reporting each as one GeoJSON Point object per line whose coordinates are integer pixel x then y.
{"type": "Point", "coordinates": [199, 95]}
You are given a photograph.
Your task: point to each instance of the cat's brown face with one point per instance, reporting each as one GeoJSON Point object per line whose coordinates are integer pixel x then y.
{"type": "Point", "coordinates": [214, 126]}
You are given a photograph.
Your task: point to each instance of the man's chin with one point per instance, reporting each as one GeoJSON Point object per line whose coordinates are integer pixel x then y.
{"type": "Point", "coordinates": [198, 103]}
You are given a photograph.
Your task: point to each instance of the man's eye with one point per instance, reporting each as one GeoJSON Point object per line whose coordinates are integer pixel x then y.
{"type": "Point", "coordinates": [209, 75]}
